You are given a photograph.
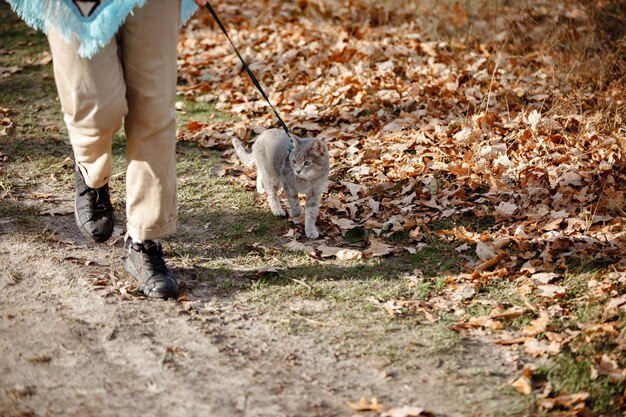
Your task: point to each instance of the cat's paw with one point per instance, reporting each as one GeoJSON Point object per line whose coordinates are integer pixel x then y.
{"type": "Point", "coordinates": [279, 212]}
{"type": "Point", "coordinates": [312, 233]}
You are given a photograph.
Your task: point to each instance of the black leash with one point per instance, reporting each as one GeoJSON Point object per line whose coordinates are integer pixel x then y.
{"type": "Point", "coordinates": [247, 68]}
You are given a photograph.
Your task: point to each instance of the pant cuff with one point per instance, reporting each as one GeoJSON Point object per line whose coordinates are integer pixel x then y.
{"type": "Point", "coordinates": [152, 233]}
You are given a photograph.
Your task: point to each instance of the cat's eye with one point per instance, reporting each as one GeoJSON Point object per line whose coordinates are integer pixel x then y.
{"type": "Point", "coordinates": [307, 163]}
{"type": "Point", "coordinates": [293, 161]}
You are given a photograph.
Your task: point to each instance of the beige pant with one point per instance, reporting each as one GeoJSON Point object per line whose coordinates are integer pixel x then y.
{"type": "Point", "coordinates": [132, 79]}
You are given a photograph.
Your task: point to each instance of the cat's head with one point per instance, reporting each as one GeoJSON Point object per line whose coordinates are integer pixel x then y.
{"type": "Point", "coordinates": [309, 158]}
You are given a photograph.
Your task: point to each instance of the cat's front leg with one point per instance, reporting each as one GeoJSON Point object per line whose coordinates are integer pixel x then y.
{"type": "Point", "coordinates": [274, 202]}
{"type": "Point", "coordinates": [294, 202]}
{"type": "Point", "coordinates": [271, 187]}
{"type": "Point", "coordinates": [310, 215]}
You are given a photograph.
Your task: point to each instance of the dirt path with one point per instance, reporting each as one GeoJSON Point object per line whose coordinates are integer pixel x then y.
{"type": "Point", "coordinates": [69, 348]}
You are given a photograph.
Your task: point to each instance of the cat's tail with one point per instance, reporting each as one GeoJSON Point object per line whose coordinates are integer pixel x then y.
{"type": "Point", "coordinates": [246, 157]}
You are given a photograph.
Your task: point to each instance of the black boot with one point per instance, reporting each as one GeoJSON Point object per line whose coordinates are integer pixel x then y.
{"type": "Point", "coordinates": [93, 210]}
{"type": "Point", "coordinates": [145, 262]}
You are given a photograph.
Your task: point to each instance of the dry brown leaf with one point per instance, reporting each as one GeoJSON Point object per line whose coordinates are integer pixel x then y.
{"type": "Point", "coordinates": [506, 209]}
{"type": "Point", "coordinates": [377, 248]}
{"type": "Point", "coordinates": [219, 170]}
{"type": "Point", "coordinates": [366, 405]}
{"type": "Point", "coordinates": [544, 347]}
{"type": "Point", "coordinates": [550, 291]}
{"type": "Point", "coordinates": [486, 251]}
{"type": "Point", "coordinates": [340, 253]}
{"type": "Point", "coordinates": [6, 71]}
{"type": "Point", "coordinates": [487, 322]}
{"type": "Point", "coordinates": [614, 306]}
{"type": "Point", "coordinates": [44, 58]}
{"type": "Point", "coordinates": [262, 272]}
{"type": "Point", "coordinates": [345, 224]}
{"type": "Point", "coordinates": [463, 292]}
{"type": "Point", "coordinates": [491, 262]}
{"type": "Point", "coordinates": [327, 251]}
{"type": "Point", "coordinates": [57, 211]}
{"type": "Point", "coordinates": [400, 308]}
{"type": "Point", "coordinates": [539, 325]}
{"type": "Point", "coordinates": [99, 282]}
{"type": "Point", "coordinates": [406, 411]}
{"type": "Point", "coordinates": [349, 255]}
{"type": "Point", "coordinates": [509, 313]}
{"type": "Point", "coordinates": [544, 277]}
{"type": "Point", "coordinates": [522, 385]}
{"type": "Point", "coordinates": [66, 163]}
{"type": "Point", "coordinates": [194, 126]}
{"type": "Point", "coordinates": [294, 245]}
{"type": "Point", "coordinates": [509, 342]}
{"type": "Point", "coordinates": [354, 189]}
{"type": "Point", "coordinates": [608, 367]}
{"type": "Point", "coordinates": [567, 401]}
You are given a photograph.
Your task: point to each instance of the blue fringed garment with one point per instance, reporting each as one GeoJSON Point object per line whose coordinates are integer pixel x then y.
{"type": "Point", "coordinates": [94, 22]}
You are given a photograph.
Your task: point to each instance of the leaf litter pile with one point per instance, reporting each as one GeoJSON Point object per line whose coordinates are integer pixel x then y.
{"type": "Point", "coordinates": [495, 130]}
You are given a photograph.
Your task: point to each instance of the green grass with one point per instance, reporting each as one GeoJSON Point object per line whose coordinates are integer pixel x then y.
{"type": "Point", "coordinates": [579, 265]}
{"type": "Point", "coordinates": [35, 147]}
{"type": "Point", "coordinates": [436, 259]}
{"type": "Point", "coordinates": [203, 112]}
{"type": "Point", "coordinates": [570, 373]}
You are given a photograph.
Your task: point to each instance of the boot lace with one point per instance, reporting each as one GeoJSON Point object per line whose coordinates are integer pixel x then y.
{"type": "Point", "coordinates": [99, 200]}
{"type": "Point", "coordinates": [153, 258]}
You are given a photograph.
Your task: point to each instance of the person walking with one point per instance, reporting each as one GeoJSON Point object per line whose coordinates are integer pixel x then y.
{"type": "Point", "coordinates": [115, 61]}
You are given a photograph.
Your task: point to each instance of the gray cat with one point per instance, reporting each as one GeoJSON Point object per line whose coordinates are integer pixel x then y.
{"type": "Point", "coordinates": [301, 169]}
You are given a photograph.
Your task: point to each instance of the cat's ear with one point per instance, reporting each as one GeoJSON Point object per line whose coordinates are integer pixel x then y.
{"type": "Point", "coordinates": [318, 147]}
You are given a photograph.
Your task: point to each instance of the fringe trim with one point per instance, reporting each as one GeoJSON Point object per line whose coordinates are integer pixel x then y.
{"type": "Point", "coordinates": [93, 32]}
{"type": "Point", "coordinates": [188, 8]}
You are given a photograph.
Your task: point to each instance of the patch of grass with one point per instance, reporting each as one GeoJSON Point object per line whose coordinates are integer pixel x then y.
{"type": "Point", "coordinates": [18, 39]}
{"type": "Point", "coordinates": [392, 352]}
{"type": "Point", "coordinates": [576, 284]}
{"type": "Point", "coordinates": [502, 291]}
{"type": "Point", "coordinates": [399, 238]}
{"type": "Point", "coordinates": [441, 225]}
{"type": "Point", "coordinates": [436, 259]}
{"type": "Point", "coordinates": [587, 312]}
{"type": "Point", "coordinates": [37, 142]}
{"type": "Point", "coordinates": [214, 210]}
{"type": "Point", "coordinates": [477, 309]}
{"type": "Point", "coordinates": [519, 406]}
{"type": "Point", "coordinates": [440, 338]}
{"type": "Point", "coordinates": [569, 374]}
{"type": "Point", "coordinates": [203, 112]}
{"type": "Point", "coordinates": [23, 47]}
{"type": "Point", "coordinates": [234, 285]}
{"type": "Point", "coordinates": [521, 321]}
{"type": "Point", "coordinates": [579, 265]}
{"type": "Point", "coordinates": [440, 283]}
